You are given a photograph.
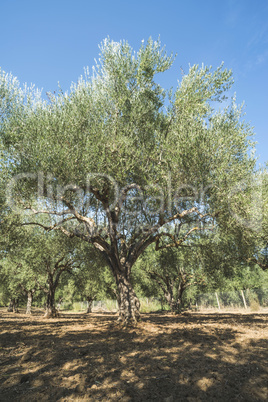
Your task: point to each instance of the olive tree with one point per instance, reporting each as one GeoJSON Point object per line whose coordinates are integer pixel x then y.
{"type": "Point", "coordinates": [174, 272]}
{"type": "Point", "coordinates": [36, 261]}
{"type": "Point", "coordinates": [248, 228]}
{"type": "Point", "coordinates": [120, 162]}
{"type": "Point", "coordinates": [92, 280]}
{"type": "Point", "coordinates": [260, 255]}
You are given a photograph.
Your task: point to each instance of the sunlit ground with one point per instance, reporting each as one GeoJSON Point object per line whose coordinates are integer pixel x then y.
{"type": "Point", "coordinates": [190, 357]}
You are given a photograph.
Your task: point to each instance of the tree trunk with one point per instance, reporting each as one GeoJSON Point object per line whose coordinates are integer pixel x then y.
{"type": "Point", "coordinates": [128, 303]}
{"type": "Point", "coordinates": [59, 303]}
{"type": "Point", "coordinates": [89, 304]}
{"type": "Point", "coordinates": [10, 306]}
{"type": "Point", "coordinates": [51, 311]}
{"type": "Point", "coordinates": [13, 306]}
{"type": "Point", "coordinates": [29, 302]}
{"type": "Point", "coordinates": [176, 306]}
{"type": "Point", "coordinates": [176, 302]}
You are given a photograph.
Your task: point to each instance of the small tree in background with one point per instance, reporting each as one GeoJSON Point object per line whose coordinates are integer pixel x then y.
{"type": "Point", "coordinates": [173, 271]}
{"type": "Point", "coordinates": [92, 280]}
{"type": "Point", "coordinates": [37, 260]}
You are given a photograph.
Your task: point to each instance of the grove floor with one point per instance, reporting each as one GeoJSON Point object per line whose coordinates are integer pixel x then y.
{"type": "Point", "coordinates": [79, 357]}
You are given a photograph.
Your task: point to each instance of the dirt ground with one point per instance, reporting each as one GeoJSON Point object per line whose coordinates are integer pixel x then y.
{"type": "Point", "coordinates": [79, 357]}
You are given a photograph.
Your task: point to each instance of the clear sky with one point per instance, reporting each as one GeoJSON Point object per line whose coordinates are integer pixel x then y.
{"type": "Point", "coordinates": [45, 42]}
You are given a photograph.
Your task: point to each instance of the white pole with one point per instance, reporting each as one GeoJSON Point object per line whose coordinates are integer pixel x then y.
{"type": "Point", "coordinates": [244, 300]}
{"type": "Point", "coordinates": [218, 300]}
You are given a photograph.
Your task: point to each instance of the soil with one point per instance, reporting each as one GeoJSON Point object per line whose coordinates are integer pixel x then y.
{"type": "Point", "coordinates": [88, 357]}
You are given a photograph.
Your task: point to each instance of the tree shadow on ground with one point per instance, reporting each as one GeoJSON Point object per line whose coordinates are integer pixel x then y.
{"type": "Point", "coordinates": [165, 358]}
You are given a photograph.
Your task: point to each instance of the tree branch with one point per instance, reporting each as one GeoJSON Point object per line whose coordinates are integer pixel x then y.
{"type": "Point", "coordinates": [176, 243]}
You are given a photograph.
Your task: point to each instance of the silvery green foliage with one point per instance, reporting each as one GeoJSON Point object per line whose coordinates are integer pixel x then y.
{"type": "Point", "coordinates": [119, 122]}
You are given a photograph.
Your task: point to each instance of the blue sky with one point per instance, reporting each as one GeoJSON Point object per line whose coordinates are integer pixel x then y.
{"type": "Point", "coordinates": [46, 42]}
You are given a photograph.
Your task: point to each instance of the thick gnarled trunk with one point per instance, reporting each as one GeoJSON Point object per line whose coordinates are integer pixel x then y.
{"type": "Point", "coordinates": [128, 302]}
{"type": "Point", "coordinates": [89, 304]}
{"type": "Point", "coordinates": [13, 306]}
{"type": "Point", "coordinates": [51, 311]}
{"type": "Point", "coordinates": [173, 289]}
{"type": "Point", "coordinates": [175, 302]}
{"type": "Point", "coordinates": [176, 306]}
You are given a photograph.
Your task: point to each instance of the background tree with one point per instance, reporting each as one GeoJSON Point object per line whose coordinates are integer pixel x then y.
{"type": "Point", "coordinates": [247, 227]}
{"type": "Point", "coordinates": [119, 159]}
{"type": "Point", "coordinates": [36, 260]}
{"type": "Point", "coordinates": [173, 271]}
{"type": "Point", "coordinates": [17, 279]}
{"type": "Point", "coordinates": [260, 255]}
{"type": "Point", "coordinates": [92, 280]}
{"type": "Point", "coordinates": [54, 255]}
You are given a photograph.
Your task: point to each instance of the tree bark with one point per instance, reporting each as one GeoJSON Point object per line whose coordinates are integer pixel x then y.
{"type": "Point", "coordinates": [51, 311]}
{"type": "Point", "coordinates": [176, 302]}
{"type": "Point", "coordinates": [128, 302]}
{"type": "Point", "coordinates": [168, 284]}
{"type": "Point", "coordinates": [13, 306]}
{"type": "Point", "coordinates": [10, 306]}
{"type": "Point", "coordinates": [176, 306]}
{"type": "Point", "coordinates": [89, 304]}
{"type": "Point", "coordinates": [29, 302]}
